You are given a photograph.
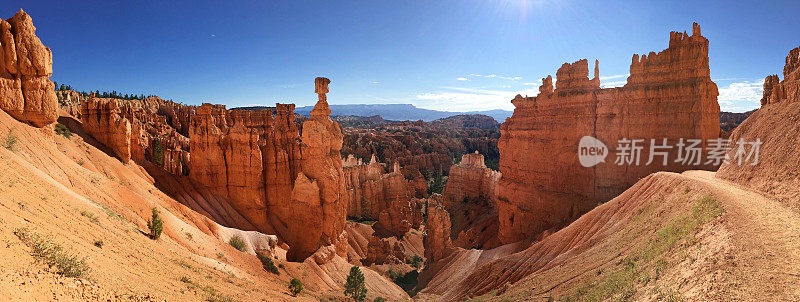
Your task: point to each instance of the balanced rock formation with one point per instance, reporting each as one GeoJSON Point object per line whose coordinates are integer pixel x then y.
{"type": "Point", "coordinates": [280, 182]}
{"type": "Point", "coordinates": [669, 95]}
{"type": "Point", "coordinates": [26, 92]}
{"type": "Point", "coordinates": [765, 148]}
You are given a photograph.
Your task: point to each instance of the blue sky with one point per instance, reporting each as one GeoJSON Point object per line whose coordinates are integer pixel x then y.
{"type": "Point", "coordinates": [445, 55]}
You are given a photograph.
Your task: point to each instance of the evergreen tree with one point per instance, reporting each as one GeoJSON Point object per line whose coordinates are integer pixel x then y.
{"type": "Point", "coordinates": [156, 225]}
{"type": "Point", "coordinates": [355, 288]}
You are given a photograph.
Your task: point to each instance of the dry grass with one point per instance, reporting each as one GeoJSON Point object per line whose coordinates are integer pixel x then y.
{"type": "Point", "coordinates": [53, 254]}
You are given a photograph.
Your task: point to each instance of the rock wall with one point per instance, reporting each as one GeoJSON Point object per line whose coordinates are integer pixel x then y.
{"type": "Point", "coordinates": [370, 191]}
{"type": "Point", "coordinates": [668, 95]}
{"type": "Point", "coordinates": [103, 120]}
{"type": "Point", "coordinates": [26, 92]}
{"type": "Point", "coordinates": [132, 129]}
{"type": "Point", "coordinates": [399, 217]}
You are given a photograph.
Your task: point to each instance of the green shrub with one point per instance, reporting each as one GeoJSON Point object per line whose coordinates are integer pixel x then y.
{"type": "Point", "coordinates": [53, 254]}
{"type": "Point", "coordinates": [295, 286]}
{"type": "Point", "coordinates": [268, 265]}
{"type": "Point", "coordinates": [354, 287]}
{"type": "Point", "coordinates": [415, 261]}
{"type": "Point", "coordinates": [10, 142]}
{"type": "Point", "coordinates": [156, 225]}
{"type": "Point", "coordinates": [238, 243]}
{"type": "Point", "coordinates": [379, 299]}
{"type": "Point", "coordinates": [63, 130]}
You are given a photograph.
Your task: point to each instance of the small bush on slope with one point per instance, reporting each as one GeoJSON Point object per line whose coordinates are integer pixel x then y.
{"type": "Point", "coordinates": [10, 142]}
{"type": "Point", "coordinates": [268, 265]}
{"type": "Point", "coordinates": [295, 286]}
{"type": "Point", "coordinates": [53, 254]}
{"type": "Point", "coordinates": [155, 224]}
{"type": "Point", "coordinates": [63, 130]}
{"type": "Point", "coordinates": [237, 243]}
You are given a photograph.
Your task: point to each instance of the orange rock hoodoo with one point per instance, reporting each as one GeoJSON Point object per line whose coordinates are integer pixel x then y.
{"type": "Point", "coordinates": [668, 95]}
{"type": "Point", "coordinates": [776, 90]}
{"type": "Point", "coordinates": [470, 196]}
{"type": "Point", "coordinates": [370, 191]}
{"type": "Point", "coordinates": [437, 232]}
{"type": "Point", "coordinates": [471, 180]}
{"type": "Point", "coordinates": [26, 65]}
{"type": "Point", "coordinates": [280, 182]}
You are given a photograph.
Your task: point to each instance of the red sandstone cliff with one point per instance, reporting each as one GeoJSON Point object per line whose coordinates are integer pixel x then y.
{"type": "Point", "coordinates": [26, 65]}
{"type": "Point", "coordinates": [668, 95]}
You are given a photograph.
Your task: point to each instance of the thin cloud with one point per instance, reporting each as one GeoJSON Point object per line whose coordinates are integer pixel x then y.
{"type": "Point", "coordinates": [470, 99]}
{"type": "Point", "coordinates": [741, 96]}
{"type": "Point", "coordinates": [462, 79]}
{"type": "Point", "coordinates": [616, 76]}
{"type": "Point", "coordinates": [474, 75]}
{"type": "Point", "coordinates": [375, 82]}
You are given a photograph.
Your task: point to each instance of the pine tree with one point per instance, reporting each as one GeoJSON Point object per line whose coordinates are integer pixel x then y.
{"type": "Point", "coordinates": [156, 225]}
{"type": "Point", "coordinates": [355, 287]}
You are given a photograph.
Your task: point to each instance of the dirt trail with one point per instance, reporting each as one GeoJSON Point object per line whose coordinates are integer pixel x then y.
{"type": "Point", "coordinates": [766, 236]}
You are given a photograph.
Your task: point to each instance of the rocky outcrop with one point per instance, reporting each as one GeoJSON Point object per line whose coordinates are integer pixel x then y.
{"type": "Point", "coordinates": [668, 95]}
{"type": "Point", "coordinates": [399, 217]}
{"type": "Point", "coordinates": [370, 191]}
{"type": "Point", "coordinates": [132, 129]}
{"type": "Point", "coordinates": [70, 102]}
{"type": "Point", "coordinates": [470, 196]}
{"type": "Point", "coordinates": [471, 181]}
{"type": "Point", "coordinates": [26, 92]}
{"type": "Point", "coordinates": [103, 120]}
{"type": "Point", "coordinates": [384, 251]}
{"type": "Point", "coordinates": [765, 148]}
{"type": "Point", "coordinates": [437, 242]}
{"type": "Point", "coordinates": [788, 90]}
